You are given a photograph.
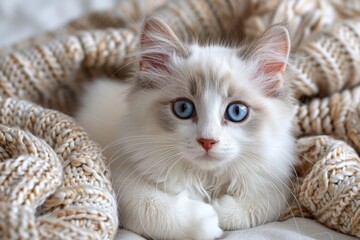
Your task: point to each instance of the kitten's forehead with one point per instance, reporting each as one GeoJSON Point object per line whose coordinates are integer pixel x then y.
{"type": "Point", "coordinates": [211, 69]}
{"type": "Point", "coordinates": [204, 80]}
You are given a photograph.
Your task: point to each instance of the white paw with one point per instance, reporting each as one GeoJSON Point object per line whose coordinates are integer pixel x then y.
{"type": "Point", "coordinates": [205, 222]}
{"type": "Point", "coordinates": [226, 208]}
{"type": "Point", "coordinates": [235, 214]}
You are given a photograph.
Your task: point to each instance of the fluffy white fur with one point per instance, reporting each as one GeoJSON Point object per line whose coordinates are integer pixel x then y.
{"type": "Point", "coordinates": [167, 186]}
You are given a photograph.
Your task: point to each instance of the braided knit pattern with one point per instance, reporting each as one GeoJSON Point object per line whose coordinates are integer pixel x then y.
{"type": "Point", "coordinates": [54, 181]}
{"type": "Point", "coordinates": [328, 190]}
{"type": "Point", "coordinates": [49, 165]}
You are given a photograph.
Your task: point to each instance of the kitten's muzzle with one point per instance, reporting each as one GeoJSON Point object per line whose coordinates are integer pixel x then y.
{"type": "Point", "coordinates": [206, 143]}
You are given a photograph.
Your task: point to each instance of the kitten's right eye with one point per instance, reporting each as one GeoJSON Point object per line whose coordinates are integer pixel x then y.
{"type": "Point", "coordinates": [236, 112]}
{"type": "Point", "coordinates": [183, 108]}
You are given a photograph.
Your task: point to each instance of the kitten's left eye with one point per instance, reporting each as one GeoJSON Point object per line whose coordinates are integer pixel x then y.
{"type": "Point", "coordinates": [183, 108]}
{"type": "Point", "coordinates": [236, 112]}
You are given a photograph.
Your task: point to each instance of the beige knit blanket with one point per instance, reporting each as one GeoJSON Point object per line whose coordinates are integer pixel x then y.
{"type": "Point", "coordinates": [54, 181]}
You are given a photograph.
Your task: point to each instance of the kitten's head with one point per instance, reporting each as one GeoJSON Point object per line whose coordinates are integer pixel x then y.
{"type": "Point", "coordinates": [211, 105]}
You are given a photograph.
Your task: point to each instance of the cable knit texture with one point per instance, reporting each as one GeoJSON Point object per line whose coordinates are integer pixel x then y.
{"type": "Point", "coordinates": [54, 182]}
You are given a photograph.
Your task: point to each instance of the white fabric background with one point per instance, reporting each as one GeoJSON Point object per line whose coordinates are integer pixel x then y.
{"type": "Point", "coordinates": [20, 19]}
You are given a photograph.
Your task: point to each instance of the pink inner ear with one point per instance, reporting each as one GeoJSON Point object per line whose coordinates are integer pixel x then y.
{"type": "Point", "coordinates": [272, 67]}
{"type": "Point", "coordinates": [274, 51]}
{"type": "Point", "coordinates": [157, 42]}
{"type": "Point", "coordinates": [154, 61]}
{"type": "Point", "coordinates": [271, 58]}
{"type": "Point", "coordinates": [273, 78]}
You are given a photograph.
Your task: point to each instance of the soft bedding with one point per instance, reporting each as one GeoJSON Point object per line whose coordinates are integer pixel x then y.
{"type": "Point", "coordinates": [292, 229]}
{"type": "Point", "coordinates": [22, 19]}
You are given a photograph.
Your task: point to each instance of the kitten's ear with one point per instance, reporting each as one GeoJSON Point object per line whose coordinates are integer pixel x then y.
{"type": "Point", "coordinates": [157, 43]}
{"type": "Point", "coordinates": [271, 55]}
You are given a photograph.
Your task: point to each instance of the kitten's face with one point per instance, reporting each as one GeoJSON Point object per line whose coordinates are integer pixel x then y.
{"type": "Point", "coordinates": [209, 107]}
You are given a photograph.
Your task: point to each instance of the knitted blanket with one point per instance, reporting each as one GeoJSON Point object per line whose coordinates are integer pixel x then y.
{"type": "Point", "coordinates": [54, 181]}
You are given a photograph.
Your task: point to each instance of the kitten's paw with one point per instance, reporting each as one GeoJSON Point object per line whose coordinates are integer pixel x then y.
{"type": "Point", "coordinates": [232, 215]}
{"type": "Point", "coordinates": [205, 222]}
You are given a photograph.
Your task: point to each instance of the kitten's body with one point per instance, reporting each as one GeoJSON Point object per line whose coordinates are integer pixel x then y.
{"type": "Point", "coordinates": [167, 185]}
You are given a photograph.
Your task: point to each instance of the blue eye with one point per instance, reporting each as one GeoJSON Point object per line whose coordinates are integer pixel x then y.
{"type": "Point", "coordinates": [183, 108]}
{"type": "Point", "coordinates": [236, 112]}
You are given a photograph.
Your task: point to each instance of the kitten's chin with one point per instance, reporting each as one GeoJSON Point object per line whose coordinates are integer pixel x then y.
{"type": "Point", "coordinates": [208, 161]}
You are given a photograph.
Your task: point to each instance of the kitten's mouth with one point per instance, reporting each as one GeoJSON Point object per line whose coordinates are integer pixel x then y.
{"type": "Point", "coordinates": [208, 161]}
{"type": "Point", "coordinates": [208, 157]}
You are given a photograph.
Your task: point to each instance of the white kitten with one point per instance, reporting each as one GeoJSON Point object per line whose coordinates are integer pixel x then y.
{"type": "Point", "coordinates": [203, 137]}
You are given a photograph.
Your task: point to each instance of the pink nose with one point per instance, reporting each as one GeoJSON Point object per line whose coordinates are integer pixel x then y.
{"type": "Point", "coordinates": [207, 144]}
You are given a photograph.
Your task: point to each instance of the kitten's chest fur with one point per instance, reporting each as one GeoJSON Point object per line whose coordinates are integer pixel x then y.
{"type": "Point", "coordinates": [199, 184]}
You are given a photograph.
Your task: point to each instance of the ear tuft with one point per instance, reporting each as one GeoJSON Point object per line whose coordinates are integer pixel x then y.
{"type": "Point", "coordinates": [157, 44]}
{"type": "Point", "coordinates": [270, 56]}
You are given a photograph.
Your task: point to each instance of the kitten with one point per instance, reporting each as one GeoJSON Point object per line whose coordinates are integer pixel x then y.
{"type": "Point", "coordinates": [203, 135]}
